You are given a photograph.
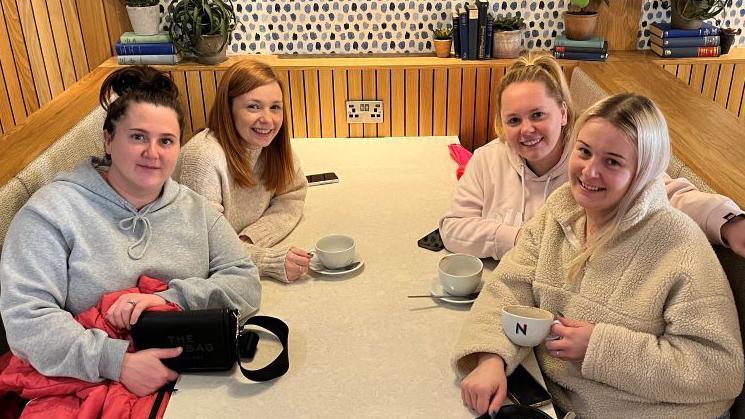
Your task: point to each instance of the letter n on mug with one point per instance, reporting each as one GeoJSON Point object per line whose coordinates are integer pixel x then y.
{"type": "Point", "coordinates": [521, 328]}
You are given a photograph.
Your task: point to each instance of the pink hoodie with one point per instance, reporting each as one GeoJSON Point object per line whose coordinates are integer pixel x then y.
{"type": "Point", "coordinates": [498, 193]}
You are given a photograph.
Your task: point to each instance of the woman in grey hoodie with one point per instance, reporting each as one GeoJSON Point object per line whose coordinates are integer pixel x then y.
{"type": "Point", "coordinates": [100, 227]}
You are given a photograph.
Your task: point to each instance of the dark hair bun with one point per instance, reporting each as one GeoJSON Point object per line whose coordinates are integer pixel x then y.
{"type": "Point", "coordinates": [143, 79]}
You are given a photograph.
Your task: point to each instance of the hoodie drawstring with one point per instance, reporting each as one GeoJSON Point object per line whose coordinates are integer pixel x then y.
{"type": "Point", "coordinates": [545, 190]}
{"type": "Point", "coordinates": [522, 182]}
{"type": "Point", "coordinates": [147, 230]}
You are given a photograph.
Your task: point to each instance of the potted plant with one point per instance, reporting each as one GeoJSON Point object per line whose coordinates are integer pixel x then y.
{"type": "Point", "coordinates": [690, 14]}
{"type": "Point", "coordinates": [144, 15]}
{"type": "Point", "coordinates": [727, 36]}
{"type": "Point", "coordinates": [508, 36]}
{"type": "Point", "coordinates": [581, 18]}
{"type": "Point", "coordinates": [443, 41]}
{"type": "Point", "coordinates": [202, 27]}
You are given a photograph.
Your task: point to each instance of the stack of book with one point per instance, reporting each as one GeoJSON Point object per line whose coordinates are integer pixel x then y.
{"type": "Point", "coordinates": [594, 49]}
{"type": "Point", "coordinates": [680, 43]}
{"type": "Point", "coordinates": [146, 49]}
{"type": "Point", "coordinates": [473, 31]}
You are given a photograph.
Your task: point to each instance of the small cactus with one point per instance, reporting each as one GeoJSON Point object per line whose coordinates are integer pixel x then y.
{"type": "Point", "coordinates": [443, 32]}
{"type": "Point", "coordinates": [508, 23]}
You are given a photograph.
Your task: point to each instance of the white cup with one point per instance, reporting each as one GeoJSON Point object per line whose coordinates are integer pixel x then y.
{"type": "Point", "coordinates": [460, 274]}
{"type": "Point", "coordinates": [526, 325]}
{"type": "Point", "coordinates": [335, 250]}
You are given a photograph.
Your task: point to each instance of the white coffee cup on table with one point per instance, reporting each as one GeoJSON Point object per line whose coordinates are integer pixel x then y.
{"type": "Point", "coordinates": [460, 274]}
{"type": "Point", "coordinates": [335, 250]}
{"type": "Point", "coordinates": [526, 325]}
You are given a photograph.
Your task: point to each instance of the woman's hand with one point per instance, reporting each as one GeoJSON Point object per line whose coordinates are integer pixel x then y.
{"type": "Point", "coordinates": [574, 336]}
{"type": "Point", "coordinates": [733, 234]}
{"type": "Point", "coordinates": [143, 373]}
{"type": "Point", "coordinates": [486, 380]}
{"type": "Point", "coordinates": [127, 309]}
{"type": "Point", "coordinates": [297, 262]}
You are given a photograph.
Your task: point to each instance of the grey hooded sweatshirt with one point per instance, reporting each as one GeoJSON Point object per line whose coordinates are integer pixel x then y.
{"type": "Point", "coordinates": [77, 239]}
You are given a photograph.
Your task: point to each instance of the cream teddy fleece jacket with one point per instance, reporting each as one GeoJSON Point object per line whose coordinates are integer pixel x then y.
{"type": "Point", "coordinates": [259, 214]}
{"type": "Point", "coordinates": [498, 193]}
{"type": "Point", "coordinates": [666, 341]}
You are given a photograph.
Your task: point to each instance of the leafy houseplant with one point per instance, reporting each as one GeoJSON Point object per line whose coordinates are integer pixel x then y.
{"type": "Point", "coordinates": [727, 36]}
{"type": "Point", "coordinates": [581, 18]}
{"type": "Point", "coordinates": [144, 15]}
{"type": "Point", "coordinates": [508, 36]}
{"type": "Point", "coordinates": [443, 41]}
{"type": "Point", "coordinates": [690, 14]}
{"type": "Point", "coordinates": [202, 27]}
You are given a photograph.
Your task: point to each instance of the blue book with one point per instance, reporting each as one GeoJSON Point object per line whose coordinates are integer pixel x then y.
{"type": "Point", "coordinates": [489, 35]}
{"type": "Point", "coordinates": [464, 34]}
{"type": "Point", "coordinates": [595, 42]}
{"type": "Point", "coordinates": [456, 30]}
{"type": "Point", "coordinates": [473, 31]}
{"type": "Point", "coordinates": [164, 48]}
{"type": "Point", "coordinates": [664, 30]}
{"type": "Point", "coordinates": [586, 56]}
{"type": "Point", "coordinates": [689, 41]}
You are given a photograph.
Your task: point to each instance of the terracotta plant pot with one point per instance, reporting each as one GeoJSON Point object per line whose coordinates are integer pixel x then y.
{"type": "Point", "coordinates": [442, 47]}
{"type": "Point", "coordinates": [206, 50]}
{"type": "Point", "coordinates": [507, 44]}
{"type": "Point", "coordinates": [580, 27]}
{"type": "Point", "coordinates": [144, 20]}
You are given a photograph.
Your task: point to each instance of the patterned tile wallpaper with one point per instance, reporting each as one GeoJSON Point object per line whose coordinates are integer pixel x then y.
{"type": "Point", "coordinates": [399, 26]}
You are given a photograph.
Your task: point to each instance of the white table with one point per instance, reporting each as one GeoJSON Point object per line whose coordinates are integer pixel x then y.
{"type": "Point", "coordinates": [358, 346]}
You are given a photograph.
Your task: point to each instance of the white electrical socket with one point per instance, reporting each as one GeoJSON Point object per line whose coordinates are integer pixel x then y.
{"type": "Point", "coordinates": [364, 111]}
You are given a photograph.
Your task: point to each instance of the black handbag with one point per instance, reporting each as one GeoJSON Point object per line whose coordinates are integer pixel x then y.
{"type": "Point", "coordinates": [211, 340]}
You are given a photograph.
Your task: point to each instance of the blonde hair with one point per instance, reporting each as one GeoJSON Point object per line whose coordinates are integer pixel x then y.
{"type": "Point", "coordinates": [643, 124]}
{"type": "Point", "coordinates": [279, 168]}
{"type": "Point", "coordinates": [538, 68]}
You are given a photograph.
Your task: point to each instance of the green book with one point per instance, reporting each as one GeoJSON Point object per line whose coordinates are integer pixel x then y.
{"type": "Point", "coordinates": [133, 38]}
{"type": "Point", "coordinates": [595, 42]}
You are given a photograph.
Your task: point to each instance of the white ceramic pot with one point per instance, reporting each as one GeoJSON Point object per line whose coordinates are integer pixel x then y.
{"type": "Point", "coordinates": [144, 20]}
{"type": "Point", "coordinates": [507, 44]}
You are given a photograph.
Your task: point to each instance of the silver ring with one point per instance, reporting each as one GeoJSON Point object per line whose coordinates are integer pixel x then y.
{"type": "Point", "coordinates": [132, 302]}
{"type": "Point", "coordinates": [556, 353]}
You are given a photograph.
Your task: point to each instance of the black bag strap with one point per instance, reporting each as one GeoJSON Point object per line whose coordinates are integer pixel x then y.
{"type": "Point", "coordinates": [281, 364]}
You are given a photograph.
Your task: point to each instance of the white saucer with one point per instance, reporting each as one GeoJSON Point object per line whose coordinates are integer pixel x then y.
{"type": "Point", "coordinates": [436, 289]}
{"type": "Point", "coordinates": [317, 266]}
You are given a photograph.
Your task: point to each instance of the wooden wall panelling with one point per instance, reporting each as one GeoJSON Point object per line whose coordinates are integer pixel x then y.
{"type": "Point", "coordinates": [95, 31]}
{"type": "Point", "coordinates": [354, 92]}
{"type": "Point", "coordinates": [75, 36]}
{"type": "Point", "coordinates": [619, 23]}
{"type": "Point", "coordinates": [33, 48]}
{"type": "Point", "coordinates": [369, 92]}
{"type": "Point", "coordinates": [61, 42]}
{"type": "Point", "coordinates": [684, 73]}
{"type": "Point", "coordinates": [312, 103]}
{"type": "Point", "coordinates": [698, 71]}
{"type": "Point", "coordinates": [20, 56]}
{"type": "Point", "coordinates": [179, 78]}
{"type": "Point", "coordinates": [711, 77]}
{"type": "Point", "coordinates": [340, 102]}
{"type": "Point", "coordinates": [209, 90]}
{"type": "Point", "coordinates": [468, 99]}
{"type": "Point", "coordinates": [284, 78]}
{"type": "Point", "coordinates": [672, 69]}
{"type": "Point", "coordinates": [723, 84]}
{"type": "Point", "coordinates": [426, 99]}
{"type": "Point", "coordinates": [496, 76]}
{"type": "Point", "coordinates": [455, 76]}
{"type": "Point", "coordinates": [481, 109]}
{"type": "Point", "coordinates": [10, 73]}
{"type": "Point", "coordinates": [117, 21]}
{"type": "Point", "coordinates": [736, 90]}
{"type": "Point", "coordinates": [196, 105]}
{"type": "Point", "coordinates": [48, 49]}
{"type": "Point", "coordinates": [297, 97]}
{"type": "Point", "coordinates": [6, 115]}
{"type": "Point", "coordinates": [384, 93]}
{"type": "Point", "coordinates": [411, 101]}
{"type": "Point", "coordinates": [326, 92]}
{"type": "Point", "coordinates": [398, 108]}
{"type": "Point", "coordinates": [440, 104]}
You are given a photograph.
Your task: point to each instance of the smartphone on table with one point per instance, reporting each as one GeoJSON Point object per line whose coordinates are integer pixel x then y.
{"type": "Point", "coordinates": [322, 178]}
{"type": "Point", "coordinates": [523, 389]}
{"type": "Point", "coordinates": [432, 241]}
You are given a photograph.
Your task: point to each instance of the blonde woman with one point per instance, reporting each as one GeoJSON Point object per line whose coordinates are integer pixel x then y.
{"type": "Point", "coordinates": [507, 181]}
{"type": "Point", "coordinates": [651, 327]}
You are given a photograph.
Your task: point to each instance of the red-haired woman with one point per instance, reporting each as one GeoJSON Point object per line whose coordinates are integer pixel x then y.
{"type": "Point", "coordinates": [243, 163]}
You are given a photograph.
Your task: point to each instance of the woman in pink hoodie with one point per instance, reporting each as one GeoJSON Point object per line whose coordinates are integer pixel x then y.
{"type": "Point", "coordinates": [508, 180]}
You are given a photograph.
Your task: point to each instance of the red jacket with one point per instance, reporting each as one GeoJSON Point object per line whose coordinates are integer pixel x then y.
{"type": "Point", "coordinates": [64, 397]}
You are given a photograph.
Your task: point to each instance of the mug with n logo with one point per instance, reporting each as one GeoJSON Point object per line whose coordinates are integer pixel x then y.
{"type": "Point", "coordinates": [526, 325]}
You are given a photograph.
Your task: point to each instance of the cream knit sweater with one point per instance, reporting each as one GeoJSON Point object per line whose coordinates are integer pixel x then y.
{"type": "Point", "coordinates": [666, 342]}
{"type": "Point", "coordinates": [255, 213]}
